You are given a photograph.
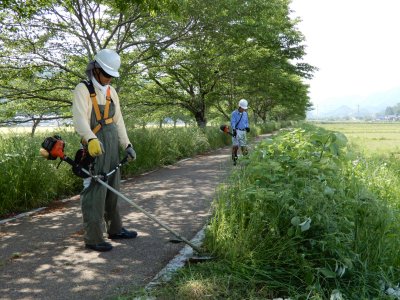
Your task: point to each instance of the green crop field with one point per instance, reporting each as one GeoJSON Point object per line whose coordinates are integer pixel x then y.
{"type": "Point", "coordinates": [370, 138]}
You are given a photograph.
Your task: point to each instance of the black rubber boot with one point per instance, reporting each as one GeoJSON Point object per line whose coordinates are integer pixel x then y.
{"type": "Point", "coordinates": [123, 234]}
{"type": "Point", "coordinates": [234, 159]}
{"type": "Point", "coordinates": [101, 247]}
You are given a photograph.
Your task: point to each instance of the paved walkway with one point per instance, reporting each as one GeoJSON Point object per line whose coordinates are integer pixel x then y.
{"type": "Point", "coordinates": [43, 255]}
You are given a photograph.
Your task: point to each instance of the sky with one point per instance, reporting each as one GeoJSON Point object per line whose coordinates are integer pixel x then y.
{"type": "Point", "coordinates": [355, 44]}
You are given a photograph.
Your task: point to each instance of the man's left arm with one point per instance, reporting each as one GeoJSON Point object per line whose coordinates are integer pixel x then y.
{"type": "Point", "coordinates": [119, 122]}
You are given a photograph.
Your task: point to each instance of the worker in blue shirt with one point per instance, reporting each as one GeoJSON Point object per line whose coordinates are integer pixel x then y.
{"type": "Point", "coordinates": [240, 126]}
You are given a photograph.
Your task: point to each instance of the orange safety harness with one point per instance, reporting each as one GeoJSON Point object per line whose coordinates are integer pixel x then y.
{"type": "Point", "coordinates": [101, 120]}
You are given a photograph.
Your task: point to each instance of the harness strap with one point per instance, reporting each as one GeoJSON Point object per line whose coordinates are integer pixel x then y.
{"type": "Point", "coordinates": [108, 101]}
{"type": "Point", "coordinates": [99, 118]}
{"type": "Point", "coordinates": [237, 123]}
{"type": "Point", "coordinates": [96, 107]}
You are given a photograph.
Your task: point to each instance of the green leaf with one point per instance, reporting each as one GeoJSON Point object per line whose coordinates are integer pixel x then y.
{"type": "Point", "coordinates": [341, 139]}
{"type": "Point", "coordinates": [295, 221]}
{"type": "Point", "coordinates": [327, 273]}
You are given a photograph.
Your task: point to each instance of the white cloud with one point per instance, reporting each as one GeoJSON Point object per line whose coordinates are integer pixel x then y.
{"type": "Point", "coordinates": [354, 43]}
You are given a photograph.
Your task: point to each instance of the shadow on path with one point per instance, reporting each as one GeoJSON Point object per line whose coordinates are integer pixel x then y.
{"type": "Point", "coordinates": [42, 256]}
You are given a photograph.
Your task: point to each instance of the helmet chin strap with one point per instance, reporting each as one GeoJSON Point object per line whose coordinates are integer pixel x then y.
{"type": "Point", "coordinates": [96, 75]}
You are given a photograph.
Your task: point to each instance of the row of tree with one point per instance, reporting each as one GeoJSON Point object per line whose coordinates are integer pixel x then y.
{"type": "Point", "coordinates": [183, 59]}
{"type": "Point", "coordinates": [393, 110]}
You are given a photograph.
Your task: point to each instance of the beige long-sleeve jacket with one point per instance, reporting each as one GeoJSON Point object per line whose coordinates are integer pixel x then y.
{"type": "Point", "coordinates": [82, 111]}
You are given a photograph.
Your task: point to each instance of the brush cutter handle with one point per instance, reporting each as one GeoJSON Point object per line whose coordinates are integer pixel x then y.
{"type": "Point", "coordinates": [122, 162]}
{"type": "Point", "coordinates": [74, 164]}
{"type": "Point", "coordinates": [69, 161]}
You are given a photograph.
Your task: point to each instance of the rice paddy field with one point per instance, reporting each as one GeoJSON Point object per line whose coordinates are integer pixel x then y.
{"type": "Point", "coordinates": [370, 138]}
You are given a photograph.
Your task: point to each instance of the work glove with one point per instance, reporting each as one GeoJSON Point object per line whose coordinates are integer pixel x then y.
{"type": "Point", "coordinates": [130, 152]}
{"type": "Point", "coordinates": [247, 129]}
{"type": "Point", "coordinates": [234, 133]}
{"type": "Point", "coordinates": [95, 148]}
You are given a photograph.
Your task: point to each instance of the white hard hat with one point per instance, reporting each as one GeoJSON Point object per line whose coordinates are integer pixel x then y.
{"type": "Point", "coordinates": [243, 103]}
{"type": "Point", "coordinates": [109, 61]}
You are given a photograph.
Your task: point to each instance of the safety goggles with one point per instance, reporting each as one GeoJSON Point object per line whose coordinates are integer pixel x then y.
{"type": "Point", "coordinates": [105, 74]}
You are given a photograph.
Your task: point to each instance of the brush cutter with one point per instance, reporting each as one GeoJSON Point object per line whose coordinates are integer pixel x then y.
{"type": "Point", "coordinates": [225, 129]}
{"type": "Point", "coordinates": [53, 148]}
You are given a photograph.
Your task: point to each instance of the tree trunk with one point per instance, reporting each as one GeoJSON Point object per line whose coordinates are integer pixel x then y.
{"type": "Point", "coordinates": [35, 124]}
{"type": "Point", "coordinates": [200, 119]}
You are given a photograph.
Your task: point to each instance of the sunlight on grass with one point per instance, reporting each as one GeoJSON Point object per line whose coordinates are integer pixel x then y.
{"type": "Point", "coordinates": [196, 289]}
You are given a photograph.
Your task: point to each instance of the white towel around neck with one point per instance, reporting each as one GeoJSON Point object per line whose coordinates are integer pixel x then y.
{"type": "Point", "coordinates": [102, 88]}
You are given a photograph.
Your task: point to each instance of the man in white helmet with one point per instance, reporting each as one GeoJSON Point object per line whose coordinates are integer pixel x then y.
{"type": "Point", "coordinates": [240, 126]}
{"type": "Point", "coordinates": [98, 120]}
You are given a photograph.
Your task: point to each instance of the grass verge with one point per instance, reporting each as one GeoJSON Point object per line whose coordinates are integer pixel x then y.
{"type": "Point", "coordinates": [303, 218]}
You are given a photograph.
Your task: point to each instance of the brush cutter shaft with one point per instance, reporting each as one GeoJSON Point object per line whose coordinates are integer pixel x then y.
{"type": "Point", "coordinates": [98, 178]}
{"type": "Point", "coordinates": [123, 161]}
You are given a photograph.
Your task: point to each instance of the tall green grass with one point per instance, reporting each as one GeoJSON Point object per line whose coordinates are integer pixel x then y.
{"type": "Point", "coordinates": [162, 146]}
{"type": "Point", "coordinates": [302, 209]}
{"type": "Point", "coordinates": [305, 218]}
{"type": "Point", "coordinates": [28, 181]}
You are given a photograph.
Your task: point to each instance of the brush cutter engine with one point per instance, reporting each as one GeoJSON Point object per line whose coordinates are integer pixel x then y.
{"type": "Point", "coordinates": [225, 129]}
{"type": "Point", "coordinates": [53, 148]}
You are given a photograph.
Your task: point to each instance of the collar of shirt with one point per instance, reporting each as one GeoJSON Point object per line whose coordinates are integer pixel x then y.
{"type": "Point", "coordinates": [238, 113]}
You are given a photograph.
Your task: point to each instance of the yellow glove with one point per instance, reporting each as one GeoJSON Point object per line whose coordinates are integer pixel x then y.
{"type": "Point", "coordinates": [95, 148]}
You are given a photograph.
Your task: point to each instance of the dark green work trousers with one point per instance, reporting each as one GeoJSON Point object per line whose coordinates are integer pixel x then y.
{"type": "Point", "coordinates": [99, 205]}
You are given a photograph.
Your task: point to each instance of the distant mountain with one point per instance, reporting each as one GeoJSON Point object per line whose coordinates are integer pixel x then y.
{"type": "Point", "coordinates": [343, 112]}
{"type": "Point", "coordinates": [356, 106]}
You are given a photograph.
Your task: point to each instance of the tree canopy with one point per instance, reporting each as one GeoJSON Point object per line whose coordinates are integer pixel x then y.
{"type": "Point", "coordinates": [198, 56]}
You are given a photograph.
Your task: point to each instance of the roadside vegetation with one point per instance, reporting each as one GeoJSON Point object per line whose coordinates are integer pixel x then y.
{"type": "Point", "coordinates": [306, 217]}
{"type": "Point", "coordinates": [29, 181]}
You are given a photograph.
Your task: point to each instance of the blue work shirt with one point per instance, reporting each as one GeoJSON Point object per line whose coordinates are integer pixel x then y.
{"type": "Point", "coordinates": [235, 117]}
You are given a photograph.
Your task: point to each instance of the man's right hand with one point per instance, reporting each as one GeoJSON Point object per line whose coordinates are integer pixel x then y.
{"type": "Point", "coordinates": [234, 133]}
{"type": "Point", "coordinates": [95, 148]}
